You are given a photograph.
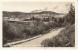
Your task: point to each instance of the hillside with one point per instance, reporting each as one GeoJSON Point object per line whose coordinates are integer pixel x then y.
{"type": "Point", "coordinates": [66, 38]}
{"type": "Point", "coordinates": [26, 15]}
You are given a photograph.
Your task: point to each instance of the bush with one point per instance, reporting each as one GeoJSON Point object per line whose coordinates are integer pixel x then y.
{"type": "Point", "coordinates": [70, 17]}
{"type": "Point", "coordinates": [13, 31]}
{"type": "Point", "coordinates": [66, 38]}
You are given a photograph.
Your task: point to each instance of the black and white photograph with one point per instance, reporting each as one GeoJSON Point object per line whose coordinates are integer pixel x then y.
{"type": "Point", "coordinates": [38, 24]}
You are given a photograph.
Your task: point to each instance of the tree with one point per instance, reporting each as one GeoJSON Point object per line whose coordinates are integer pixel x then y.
{"type": "Point", "coordinates": [70, 17]}
{"type": "Point", "coordinates": [72, 14]}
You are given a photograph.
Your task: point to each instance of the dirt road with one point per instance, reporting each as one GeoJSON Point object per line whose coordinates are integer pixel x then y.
{"type": "Point", "coordinates": [37, 42]}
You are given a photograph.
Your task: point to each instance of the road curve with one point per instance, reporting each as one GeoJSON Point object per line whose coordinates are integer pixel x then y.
{"type": "Point", "coordinates": [37, 42]}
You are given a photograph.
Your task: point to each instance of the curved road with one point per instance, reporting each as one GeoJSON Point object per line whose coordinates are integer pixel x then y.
{"type": "Point", "coordinates": [37, 42]}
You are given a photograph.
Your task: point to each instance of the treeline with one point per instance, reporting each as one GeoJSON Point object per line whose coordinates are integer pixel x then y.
{"type": "Point", "coordinates": [25, 15]}
{"type": "Point", "coordinates": [66, 38]}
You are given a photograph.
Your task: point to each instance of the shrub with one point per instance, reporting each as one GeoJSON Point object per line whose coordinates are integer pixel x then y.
{"type": "Point", "coordinates": [66, 38]}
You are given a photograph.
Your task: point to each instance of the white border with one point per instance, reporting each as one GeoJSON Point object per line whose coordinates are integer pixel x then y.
{"type": "Point", "coordinates": [41, 48]}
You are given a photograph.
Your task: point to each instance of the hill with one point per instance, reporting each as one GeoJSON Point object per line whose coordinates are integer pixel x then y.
{"type": "Point", "coordinates": [31, 14]}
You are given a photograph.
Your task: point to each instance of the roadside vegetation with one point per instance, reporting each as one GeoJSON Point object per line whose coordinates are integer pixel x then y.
{"type": "Point", "coordinates": [66, 38]}
{"type": "Point", "coordinates": [14, 31]}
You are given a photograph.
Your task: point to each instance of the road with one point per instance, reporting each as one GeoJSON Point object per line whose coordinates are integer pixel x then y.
{"type": "Point", "coordinates": [37, 42]}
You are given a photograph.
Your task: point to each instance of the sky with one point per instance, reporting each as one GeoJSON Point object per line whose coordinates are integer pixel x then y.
{"type": "Point", "coordinates": [60, 7]}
